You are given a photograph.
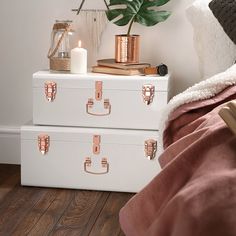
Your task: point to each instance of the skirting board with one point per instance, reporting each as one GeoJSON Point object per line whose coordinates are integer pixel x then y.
{"type": "Point", "coordinates": [9, 145]}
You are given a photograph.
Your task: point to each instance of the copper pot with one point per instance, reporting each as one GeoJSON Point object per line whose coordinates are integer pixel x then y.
{"type": "Point", "coordinates": [127, 48]}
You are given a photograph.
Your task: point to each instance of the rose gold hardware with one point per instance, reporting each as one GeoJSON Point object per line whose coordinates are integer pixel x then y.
{"type": "Point", "coordinates": [96, 144]}
{"type": "Point", "coordinates": [98, 97]}
{"type": "Point", "coordinates": [150, 148]}
{"type": "Point", "coordinates": [104, 164]}
{"type": "Point", "coordinates": [43, 143]}
{"type": "Point", "coordinates": [50, 90]}
{"type": "Point", "coordinates": [148, 93]}
{"type": "Point", "coordinates": [88, 161]}
{"type": "Point", "coordinates": [90, 104]}
{"type": "Point", "coordinates": [106, 104]}
{"type": "Point", "coordinates": [98, 90]}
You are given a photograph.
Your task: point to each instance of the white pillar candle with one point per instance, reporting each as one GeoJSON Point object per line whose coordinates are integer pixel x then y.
{"type": "Point", "coordinates": [78, 63]}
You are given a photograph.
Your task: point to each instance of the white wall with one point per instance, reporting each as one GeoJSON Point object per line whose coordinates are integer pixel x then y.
{"type": "Point", "coordinates": [24, 40]}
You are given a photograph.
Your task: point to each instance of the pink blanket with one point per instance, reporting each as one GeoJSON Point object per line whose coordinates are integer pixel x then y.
{"type": "Point", "coordinates": [195, 194]}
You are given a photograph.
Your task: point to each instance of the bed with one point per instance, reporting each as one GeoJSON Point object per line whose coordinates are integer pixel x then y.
{"type": "Point", "coordinates": [195, 193]}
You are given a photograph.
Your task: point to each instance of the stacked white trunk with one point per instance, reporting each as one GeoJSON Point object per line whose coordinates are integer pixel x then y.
{"type": "Point", "coordinates": [58, 152]}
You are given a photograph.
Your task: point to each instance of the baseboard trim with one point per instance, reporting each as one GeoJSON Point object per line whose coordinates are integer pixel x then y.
{"type": "Point", "coordinates": [9, 130]}
{"type": "Point", "coordinates": [10, 144]}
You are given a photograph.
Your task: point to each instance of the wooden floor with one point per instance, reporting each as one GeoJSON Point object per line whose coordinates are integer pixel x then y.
{"type": "Point", "coordinates": [46, 211]}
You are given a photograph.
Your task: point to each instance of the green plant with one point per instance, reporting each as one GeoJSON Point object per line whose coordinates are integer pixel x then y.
{"type": "Point", "coordinates": [140, 11]}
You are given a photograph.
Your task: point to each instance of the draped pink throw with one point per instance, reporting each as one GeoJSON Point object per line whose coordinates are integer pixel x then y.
{"type": "Point", "coordinates": [195, 194]}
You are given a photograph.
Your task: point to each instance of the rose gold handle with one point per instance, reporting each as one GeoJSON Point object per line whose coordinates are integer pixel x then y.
{"type": "Point", "coordinates": [104, 163]}
{"type": "Point", "coordinates": [107, 106]}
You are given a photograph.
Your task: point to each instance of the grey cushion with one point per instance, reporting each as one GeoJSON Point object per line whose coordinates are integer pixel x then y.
{"type": "Point", "coordinates": [225, 12]}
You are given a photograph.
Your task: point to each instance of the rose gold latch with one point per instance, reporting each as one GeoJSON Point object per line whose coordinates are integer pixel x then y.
{"type": "Point", "coordinates": [43, 143]}
{"type": "Point", "coordinates": [107, 104]}
{"type": "Point", "coordinates": [88, 162]}
{"type": "Point", "coordinates": [98, 97]}
{"type": "Point", "coordinates": [98, 90]}
{"type": "Point", "coordinates": [50, 90]}
{"type": "Point", "coordinates": [96, 144]}
{"type": "Point", "coordinates": [148, 93]}
{"type": "Point", "coordinates": [104, 165]}
{"type": "Point", "coordinates": [150, 148]}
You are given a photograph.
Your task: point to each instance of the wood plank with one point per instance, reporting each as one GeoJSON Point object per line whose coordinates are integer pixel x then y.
{"type": "Point", "coordinates": [108, 222]}
{"type": "Point", "coordinates": [54, 212]}
{"type": "Point", "coordinates": [81, 214]}
{"type": "Point", "coordinates": [16, 205]}
{"type": "Point", "coordinates": [23, 206]}
{"type": "Point", "coordinates": [15, 200]}
{"type": "Point", "coordinates": [9, 184]}
{"type": "Point", "coordinates": [27, 222]}
{"type": "Point", "coordinates": [7, 170]}
{"type": "Point", "coordinates": [9, 177]}
{"type": "Point", "coordinates": [44, 211]}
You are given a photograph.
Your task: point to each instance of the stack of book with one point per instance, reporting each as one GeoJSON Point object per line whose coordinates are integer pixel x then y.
{"type": "Point", "coordinates": [110, 66]}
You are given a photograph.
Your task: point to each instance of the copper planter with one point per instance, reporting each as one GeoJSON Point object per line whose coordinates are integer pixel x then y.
{"type": "Point", "coordinates": [127, 48]}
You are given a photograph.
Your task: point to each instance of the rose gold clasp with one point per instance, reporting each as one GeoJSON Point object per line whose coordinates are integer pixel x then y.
{"type": "Point", "coordinates": [98, 90]}
{"type": "Point", "coordinates": [106, 105]}
{"type": "Point", "coordinates": [104, 164]}
{"type": "Point", "coordinates": [50, 90]}
{"type": "Point", "coordinates": [150, 148]}
{"type": "Point", "coordinates": [148, 93]}
{"type": "Point", "coordinates": [96, 144]}
{"type": "Point", "coordinates": [96, 151]}
{"type": "Point", "coordinates": [43, 143]}
{"type": "Point", "coordinates": [98, 97]}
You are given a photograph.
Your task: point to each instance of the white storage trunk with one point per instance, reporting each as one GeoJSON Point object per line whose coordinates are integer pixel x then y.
{"type": "Point", "coordinates": [97, 100]}
{"type": "Point", "coordinates": [84, 158]}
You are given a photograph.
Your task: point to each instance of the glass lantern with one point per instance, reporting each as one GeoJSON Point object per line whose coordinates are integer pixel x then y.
{"type": "Point", "coordinates": [59, 52]}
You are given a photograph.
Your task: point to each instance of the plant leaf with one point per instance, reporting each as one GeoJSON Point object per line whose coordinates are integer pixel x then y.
{"type": "Point", "coordinates": [151, 18]}
{"type": "Point", "coordinates": [137, 10]}
{"type": "Point", "coordinates": [157, 3]}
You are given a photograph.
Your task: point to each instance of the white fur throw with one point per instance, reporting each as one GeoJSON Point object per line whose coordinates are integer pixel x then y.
{"type": "Point", "coordinates": [215, 50]}
{"type": "Point", "coordinates": [201, 91]}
